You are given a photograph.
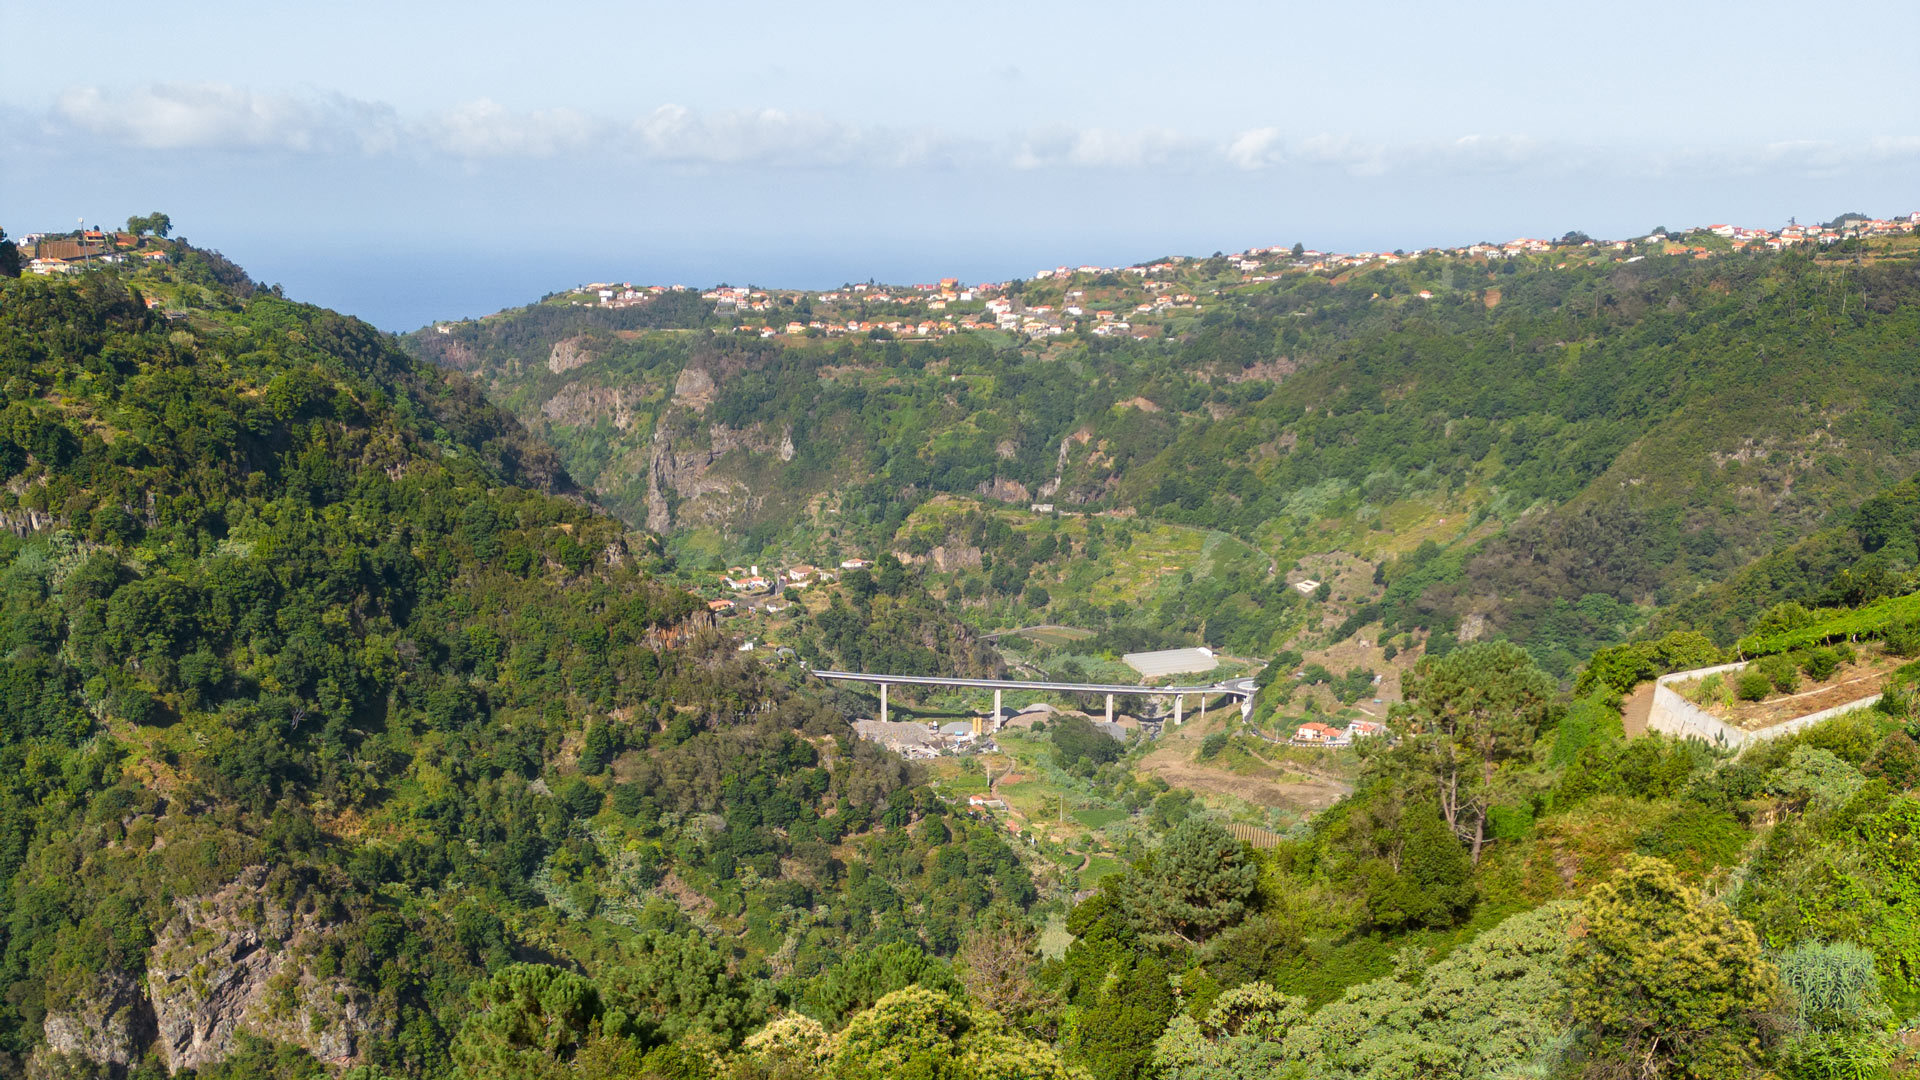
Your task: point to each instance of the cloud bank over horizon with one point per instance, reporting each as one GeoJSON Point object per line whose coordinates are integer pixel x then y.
{"type": "Point", "coordinates": [227, 118]}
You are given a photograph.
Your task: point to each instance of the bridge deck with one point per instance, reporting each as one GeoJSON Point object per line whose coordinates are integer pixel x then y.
{"type": "Point", "coordinates": [1236, 687]}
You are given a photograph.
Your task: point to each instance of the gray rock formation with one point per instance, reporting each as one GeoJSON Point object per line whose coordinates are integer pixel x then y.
{"type": "Point", "coordinates": [233, 962]}
{"type": "Point", "coordinates": [108, 1027]}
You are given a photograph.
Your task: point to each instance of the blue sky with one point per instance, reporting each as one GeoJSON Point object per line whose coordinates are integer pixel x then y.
{"type": "Point", "coordinates": [408, 162]}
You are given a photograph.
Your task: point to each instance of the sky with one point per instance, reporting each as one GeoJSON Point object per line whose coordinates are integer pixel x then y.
{"type": "Point", "coordinates": [411, 162]}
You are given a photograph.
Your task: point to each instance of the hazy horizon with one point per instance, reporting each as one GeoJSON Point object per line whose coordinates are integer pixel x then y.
{"type": "Point", "coordinates": [412, 163]}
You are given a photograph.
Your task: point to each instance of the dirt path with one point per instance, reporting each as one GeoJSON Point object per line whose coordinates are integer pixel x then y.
{"type": "Point", "coordinates": [1024, 629]}
{"type": "Point", "coordinates": [993, 792]}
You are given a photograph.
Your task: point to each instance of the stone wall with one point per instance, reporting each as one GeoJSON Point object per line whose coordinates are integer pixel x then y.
{"type": "Point", "coordinates": [1675, 715]}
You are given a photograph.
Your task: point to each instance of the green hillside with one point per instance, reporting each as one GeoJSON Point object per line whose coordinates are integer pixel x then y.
{"type": "Point", "coordinates": [1583, 438]}
{"type": "Point", "coordinates": [342, 736]}
{"type": "Point", "coordinates": [309, 650]}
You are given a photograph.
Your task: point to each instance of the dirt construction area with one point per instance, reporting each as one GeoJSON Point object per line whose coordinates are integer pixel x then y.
{"type": "Point", "coordinates": [1256, 779]}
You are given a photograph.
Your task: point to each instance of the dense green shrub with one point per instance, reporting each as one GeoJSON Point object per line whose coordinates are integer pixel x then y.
{"type": "Point", "coordinates": [1753, 684]}
{"type": "Point", "coordinates": [1820, 663]}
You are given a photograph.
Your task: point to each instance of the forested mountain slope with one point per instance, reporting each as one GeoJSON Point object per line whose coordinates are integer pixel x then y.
{"type": "Point", "coordinates": [324, 705]}
{"type": "Point", "coordinates": [1584, 438]}
{"type": "Point", "coordinates": [338, 738]}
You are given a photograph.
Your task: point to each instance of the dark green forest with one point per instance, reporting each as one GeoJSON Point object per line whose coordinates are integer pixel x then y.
{"type": "Point", "coordinates": [285, 607]}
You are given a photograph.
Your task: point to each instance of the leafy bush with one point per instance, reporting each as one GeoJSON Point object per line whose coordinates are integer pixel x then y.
{"type": "Point", "coordinates": [1211, 746]}
{"type": "Point", "coordinates": [1753, 685]}
{"type": "Point", "coordinates": [1903, 638]}
{"type": "Point", "coordinates": [1820, 663]}
{"type": "Point", "coordinates": [1834, 990]}
{"type": "Point", "coordinates": [1832, 982]}
{"type": "Point", "coordinates": [1695, 838]}
{"type": "Point", "coordinates": [1896, 760]}
{"type": "Point", "coordinates": [1586, 722]}
{"type": "Point", "coordinates": [1895, 701]}
{"type": "Point", "coordinates": [1782, 671]}
{"type": "Point", "coordinates": [1621, 667]}
{"type": "Point", "coordinates": [1820, 777]}
{"type": "Point", "coordinates": [1075, 740]}
{"type": "Point", "coordinates": [1711, 690]}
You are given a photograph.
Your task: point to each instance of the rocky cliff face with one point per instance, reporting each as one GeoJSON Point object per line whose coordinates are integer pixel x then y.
{"type": "Point", "coordinates": [579, 404]}
{"type": "Point", "coordinates": [107, 1029]}
{"type": "Point", "coordinates": [682, 485]}
{"type": "Point", "coordinates": [232, 962]}
{"type": "Point", "coordinates": [567, 354]}
{"type": "Point", "coordinates": [225, 964]}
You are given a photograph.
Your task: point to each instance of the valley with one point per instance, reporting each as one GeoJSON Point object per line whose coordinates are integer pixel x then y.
{"type": "Point", "coordinates": [452, 706]}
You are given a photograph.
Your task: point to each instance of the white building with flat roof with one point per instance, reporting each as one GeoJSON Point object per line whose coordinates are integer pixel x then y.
{"type": "Point", "coordinates": [1171, 661]}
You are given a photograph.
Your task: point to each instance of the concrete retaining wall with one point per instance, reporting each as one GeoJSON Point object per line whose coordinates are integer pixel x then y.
{"type": "Point", "coordinates": [1675, 715]}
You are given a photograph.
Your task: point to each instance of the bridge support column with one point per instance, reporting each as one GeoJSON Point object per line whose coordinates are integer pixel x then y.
{"type": "Point", "coordinates": [996, 710]}
{"type": "Point", "coordinates": [1203, 708]}
{"type": "Point", "coordinates": [1109, 708]}
{"type": "Point", "coordinates": [883, 703]}
{"type": "Point", "coordinates": [1246, 708]}
{"type": "Point", "coordinates": [1178, 700]}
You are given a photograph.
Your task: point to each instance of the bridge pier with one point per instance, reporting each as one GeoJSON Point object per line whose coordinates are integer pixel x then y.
{"type": "Point", "coordinates": [883, 703]}
{"type": "Point", "coordinates": [1203, 708]}
{"type": "Point", "coordinates": [996, 710]}
{"type": "Point", "coordinates": [1109, 708]}
{"type": "Point", "coordinates": [1178, 701]}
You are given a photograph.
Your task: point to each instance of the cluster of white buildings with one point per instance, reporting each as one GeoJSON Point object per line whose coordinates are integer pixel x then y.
{"type": "Point", "coordinates": [1001, 309]}
{"type": "Point", "coordinates": [625, 294]}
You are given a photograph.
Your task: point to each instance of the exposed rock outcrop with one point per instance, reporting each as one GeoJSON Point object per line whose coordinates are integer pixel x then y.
{"type": "Point", "coordinates": [1264, 370]}
{"type": "Point", "coordinates": [567, 354]}
{"type": "Point", "coordinates": [232, 962]}
{"type": "Point", "coordinates": [1006, 490]}
{"type": "Point", "coordinates": [957, 557]}
{"type": "Point", "coordinates": [22, 522]}
{"type": "Point", "coordinates": [581, 404]}
{"type": "Point", "coordinates": [108, 1027]}
{"type": "Point", "coordinates": [681, 487]}
{"type": "Point", "coordinates": [694, 389]}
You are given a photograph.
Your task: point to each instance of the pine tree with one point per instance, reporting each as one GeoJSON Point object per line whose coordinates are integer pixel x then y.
{"type": "Point", "coordinates": [1195, 886]}
{"type": "Point", "coordinates": [1667, 982]}
{"type": "Point", "coordinates": [1477, 707]}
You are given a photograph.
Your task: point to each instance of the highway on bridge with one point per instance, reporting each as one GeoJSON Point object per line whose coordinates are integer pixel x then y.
{"type": "Point", "coordinates": [1243, 689]}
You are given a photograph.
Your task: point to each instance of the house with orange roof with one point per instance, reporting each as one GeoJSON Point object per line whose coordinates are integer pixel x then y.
{"type": "Point", "coordinates": [1315, 733]}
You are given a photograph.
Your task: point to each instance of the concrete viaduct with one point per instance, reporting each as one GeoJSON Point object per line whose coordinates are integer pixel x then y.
{"type": "Point", "coordinates": [1243, 689]}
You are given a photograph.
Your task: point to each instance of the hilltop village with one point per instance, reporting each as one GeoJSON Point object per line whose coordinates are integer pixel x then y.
{"type": "Point", "coordinates": [1141, 301]}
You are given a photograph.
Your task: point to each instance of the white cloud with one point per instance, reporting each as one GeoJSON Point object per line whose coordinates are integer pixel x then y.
{"type": "Point", "coordinates": [1267, 148]}
{"type": "Point", "coordinates": [486, 129]}
{"type": "Point", "coordinates": [1103, 148]}
{"type": "Point", "coordinates": [216, 116]}
{"type": "Point", "coordinates": [767, 136]}
{"type": "Point", "coordinates": [1256, 149]}
{"type": "Point", "coordinates": [195, 116]}
{"type": "Point", "coordinates": [677, 134]}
